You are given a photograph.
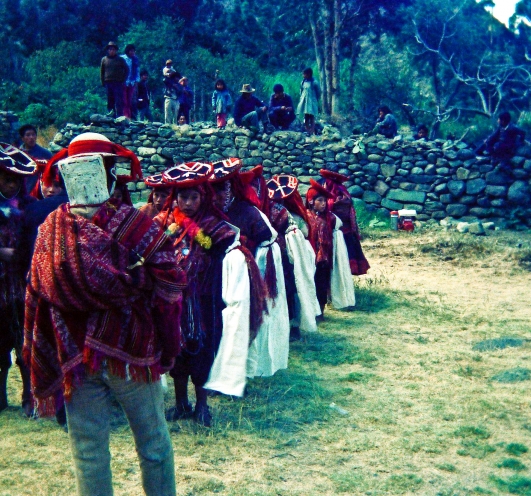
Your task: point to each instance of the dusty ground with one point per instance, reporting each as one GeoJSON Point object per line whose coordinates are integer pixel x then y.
{"type": "Point", "coordinates": [421, 411]}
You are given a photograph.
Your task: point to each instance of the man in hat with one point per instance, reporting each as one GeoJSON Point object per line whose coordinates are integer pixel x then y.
{"type": "Point", "coordinates": [15, 166]}
{"type": "Point", "coordinates": [249, 111]}
{"type": "Point", "coordinates": [103, 304]}
{"type": "Point", "coordinates": [113, 73]}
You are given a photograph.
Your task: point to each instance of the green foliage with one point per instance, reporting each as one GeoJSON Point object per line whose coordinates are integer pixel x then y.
{"type": "Point", "coordinates": [516, 449]}
{"type": "Point", "coordinates": [404, 483]}
{"type": "Point", "coordinates": [513, 375]}
{"type": "Point", "coordinates": [472, 431]}
{"type": "Point", "coordinates": [498, 344]}
{"type": "Point", "coordinates": [514, 485]}
{"type": "Point", "coordinates": [513, 464]}
{"type": "Point", "coordinates": [37, 114]}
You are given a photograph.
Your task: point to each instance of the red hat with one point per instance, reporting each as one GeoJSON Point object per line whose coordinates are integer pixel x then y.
{"type": "Point", "coordinates": [94, 144]}
{"type": "Point", "coordinates": [225, 169]}
{"type": "Point", "coordinates": [316, 190]}
{"type": "Point", "coordinates": [333, 176]}
{"type": "Point", "coordinates": [281, 186]}
{"type": "Point", "coordinates": [156, 181]}
{"type": "Point", "coordinates": [16, 161]}
{"type": "Point", "coordinates": [250, 175]}
{"type": "Point", "coordinates": [187, 175]}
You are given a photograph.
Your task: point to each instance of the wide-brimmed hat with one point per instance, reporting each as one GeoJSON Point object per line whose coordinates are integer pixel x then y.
{"type": "Point", "coordinates": [333, 176]}
{"type": "Point", "coordinates": [225, 169]}
{"type": "Point", "coordinates": [156, 181]}
{"type": "Point", "coordinates": [187, 175]}
{"type": "Point", "coordinates": [316, 190]}
{"type": "Point", "coordinates": [111, 44]}
{"type": "Point", "coordinates": [247, 88]}
{"type": "Point", "coordinates": [281, 186]}
{"type": "Point", "coordinates": [16, 161]}
{"type": "Point", "coordinates": [95, 144]}
{"type": "Point", "coordinates": [169, 62]}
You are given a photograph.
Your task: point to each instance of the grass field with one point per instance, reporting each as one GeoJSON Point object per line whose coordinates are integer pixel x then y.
{"type": "Point", "coordinates": [429, 381]}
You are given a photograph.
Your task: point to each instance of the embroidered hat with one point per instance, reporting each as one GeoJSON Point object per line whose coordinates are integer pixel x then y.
{"type": "Point", "coordinates": [225, 169]}
{"type": "Point", "coordinates": [187, 175]}
{"type": "Point", "coordinates": [247, 88]}
{"type": "Point", "coordinates": [281, 186]}
{"type": "Point", "coordinates": [156, 181]}
{"type": "Point", "coordinates": [333, 176]}
{"type": "Point", "coordinates": [316, 190]}
{"type": "Point", "coordinates": [87, 144]}
{"type": "Point", "coordinates": [16, 161]}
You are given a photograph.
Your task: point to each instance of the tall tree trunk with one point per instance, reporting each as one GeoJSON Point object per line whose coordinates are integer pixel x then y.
{"type": "Point", "coordinates": [328, 38]}
{"type": "Point", "coordinates": [319, 57]}
{"type": "Point", "coordinates": [335, 62]}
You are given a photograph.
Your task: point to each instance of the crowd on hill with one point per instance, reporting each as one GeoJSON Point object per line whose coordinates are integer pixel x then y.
{"type": "Point", "coordinates": [209, 281]}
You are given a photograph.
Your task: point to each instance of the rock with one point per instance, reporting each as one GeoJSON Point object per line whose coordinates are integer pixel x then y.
{"type": "Point", "coordinates": [456, 210]}
{"type": "Point", "coordinates": [146, 152]}
{"type": "Point", "coordinates": [381, 188]}
{"type": "Point", "coordinates": [466, 154]}
{"type": "Point", "coordinates": [496, 191]}
{"type": "Point", "coordinates": [497, 178]}
{"type": "Point", "coordinates": [475, 186]}
{"type": "Point", "coordinates": [384, 145]}
{"type": "Point", "coordinates": [457, 188]}
{"type": "Point", "coordinates": [476, 228]}
{"type": "Point", "coordinates": [391, 205]}
{"type": "Point", "coordinates": [489, 226]}
{"type": "Point", "coordinates": [371, 168]}
{"type": "Point", "coordinates": [462, 173]}
{"type": "Point", "coordinates": [356, 191]}
{"type": "Point", "coordinates": [159, 160]}
{"type": "Point", "coordinates": [371, 197]}
{"type": "Point", "coordinates": [388, 170]}
{"type": "Point", "coordinates": [462, 227]}
{"type": "Point", "coordinates": [518, 193]}
{"type": "Point", "coordinates": [406, 196]}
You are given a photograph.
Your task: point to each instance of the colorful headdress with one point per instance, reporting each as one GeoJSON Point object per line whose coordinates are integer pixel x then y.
{"type": "Point", "coordinates": [333, 176]}
{"type": "Point", "coordinates": [94, 144]}
{"type": "Point", "coordinates": [225, 169]}
{"type": "Point", "coordinates": [316, 190]}
{"type": "Point", "coordinates": [187, 175]}
{"type": "Point", "coordinates": [156, 181]}
{"type": "Point", "coordinates": [281, 186]}
{"type": "Point", "coordinates": [16, 161]}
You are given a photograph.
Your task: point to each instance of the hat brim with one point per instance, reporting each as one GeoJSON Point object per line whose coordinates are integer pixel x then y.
{"type": "Point", "coordinates": [319, 189]}
{"type": "Point", "coordinates": [282, 186]}
{"type": "Point", "coordinates": [187, 175]}
{"type": "Point", "coordinates": [15, 161]}
{"type": "Point", "coordinates": [333, 176]}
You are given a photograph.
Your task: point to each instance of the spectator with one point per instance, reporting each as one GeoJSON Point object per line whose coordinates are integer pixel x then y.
{"type": "Point", "coordinates": [309, 102]}
{"type": "Point", "coordinates": [249, 111]}
{"type": "Point", "coordinates": [186, 99]}
{"type": "Point", "coordinates": [168, 68]}
{"type": "Point", "coordinates": [182, 121]}
{"type": "Point", "coordinates": [28, 135]}
{"type": "Point", "coordinates": [422, 133]}
{"type": "Point", "coordinates": [221, 103]}
{"type": "Point", "coordinates": [503, 143]}
{"type": "Point", "coordinates": [143, 99]}
{"type": "Point", "coordinates": [131, 82]}
{"type": "Point", "coordinates": [113, 73]}
{"type": "Point", "coordinates": [386, 123]}
{"type": "Point", "coordinates": [172, 90]}
{"type": "Point", "coordinates": [281, 113]}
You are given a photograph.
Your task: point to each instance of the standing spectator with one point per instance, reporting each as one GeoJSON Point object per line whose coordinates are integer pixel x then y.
{"type": "Point", "coordinates": [168, 68]}
{"type": "Point", "coordinates": [28, 135]}
{"type": "Point", "coordinates": [221, 103]}
{"type": "Point", "coordinates": [309, 102]}
{"type": "Point", "coordinates": [106, 332]}
{"type": "Point", "coordinates": [386, 123]}
{"type": "Point", "coordinates": [249, 111]}
{"type": "Point", "coordinates": [143, 99]}
{"type": "Point", "coordinates": [186, 99]}
{"type": "Point", "coordinates": [133, 77]}
{"type": "Point", "coordinates": [172, 90]}
{"type": "Point", "coordinates": [113, 73]}
{"type": "Point", "coordinates": [281, 113]}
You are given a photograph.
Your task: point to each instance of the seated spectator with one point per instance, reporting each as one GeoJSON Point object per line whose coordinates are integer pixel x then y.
{"type": "Point", "coordinates": [386, 123]}
{"type": "Point", "coordinates": [249, 111]}
{"type": "Point", "coordinates": [422, 133]}
{"type": "Point", "coordinates": [503, 143]}
{"type": "Point", "coordinates": [281, 113]}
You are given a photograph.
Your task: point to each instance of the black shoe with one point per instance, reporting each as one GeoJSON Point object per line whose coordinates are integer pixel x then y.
{"type": "Point", "coordinates": [60, 416]}
{"type": "Point", "coordinates": [202, 415]}
{"type": "Point", "coordinates": [179, 411]}
{"type": "Point", "coordinates": [29, 411]}
{"type": "Point", "coordinates": [294, 334]}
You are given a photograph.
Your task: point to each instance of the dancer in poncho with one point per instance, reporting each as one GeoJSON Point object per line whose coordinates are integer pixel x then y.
{"type": "Point", "coordinates": [15, 166]}
{"type": "Point", "coordinates": [102, 318]}
{"type": "Point", "coordinates": [341, 205]}
{"type": "Point", "coordinates": [283, 191]}
{"type": "Point", "coordinates": [332, 274]}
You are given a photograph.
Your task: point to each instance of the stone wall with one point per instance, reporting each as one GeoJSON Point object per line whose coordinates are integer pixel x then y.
{"type": "Point", "coordinates": [9, 127]}
{"type": "Point", "coordinates": [438, 178]}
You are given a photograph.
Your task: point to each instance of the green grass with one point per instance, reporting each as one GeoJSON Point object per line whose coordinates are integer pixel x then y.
{"type": "Point", "coordinates": [518, 374]}
{"type": "Point", "coordinates": [498, 344]}
{"type": "Point", "coordinates": [513, 464]}
{"type": "Point", "coordinates": [516, 449]}
{"type": "Point", "coordinates": [515, 484]}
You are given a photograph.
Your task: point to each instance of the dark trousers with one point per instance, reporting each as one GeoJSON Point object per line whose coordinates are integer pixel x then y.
{"type": "Point", "coordinates": [115, 97]}
{"type": "Point", "coordinates": [322, 285]}
{"type": "Point", "coordinates": [281, 119]}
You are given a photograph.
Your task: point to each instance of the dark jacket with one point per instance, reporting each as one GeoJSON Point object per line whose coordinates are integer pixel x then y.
{"type": "Point", "coordinates": [504, 142]}
{"type": "Point", "coordinates": [143, 95]}
{"type": "Point", "coordinates": [245, 105]}
{"type": "Point", "coordinates": [113, 69]}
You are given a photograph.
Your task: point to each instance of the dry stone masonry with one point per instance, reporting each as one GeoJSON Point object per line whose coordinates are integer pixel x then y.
{"type": "Point", "coordinates": [438, 179]}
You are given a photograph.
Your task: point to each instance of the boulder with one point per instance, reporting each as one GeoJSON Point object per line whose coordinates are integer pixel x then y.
{"type": "Point", "coordinates": [518, 193]}
{"type": "Point", "coordinates": [457, 188]}
{"type": "Point", "coordinates": [406, 196]}
{"type": "Point", "coordinates": [456, 210]}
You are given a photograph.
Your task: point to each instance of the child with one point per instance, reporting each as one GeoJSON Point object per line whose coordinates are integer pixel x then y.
{"type": "Point", "coordinates": [221, 103]}
{"type": "Point", "coordinates": [309, 102]}
{"type": "Point", "coordinates": [160, 192]}
{"type": "Point", "coordinates": [144, 98]}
